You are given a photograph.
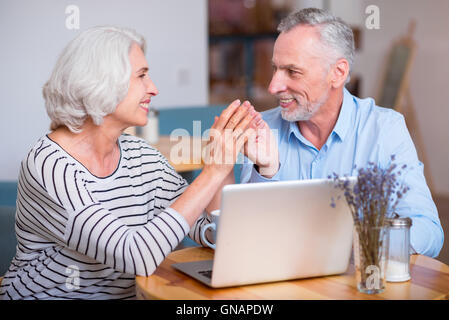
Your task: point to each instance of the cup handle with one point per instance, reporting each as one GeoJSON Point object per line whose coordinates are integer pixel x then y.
{"type": "Point", "coordinates": [203, 234]}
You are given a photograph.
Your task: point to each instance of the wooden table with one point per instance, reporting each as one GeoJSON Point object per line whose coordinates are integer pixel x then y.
{"type": "Point", "coordinates": [183, 153]}
{"type": "Point", "coordinates": [430, 280]}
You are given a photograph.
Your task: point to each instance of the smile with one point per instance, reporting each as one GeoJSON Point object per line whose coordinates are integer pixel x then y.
{"type": "Point", "coordinates": [145, 106]}
{"type": "Point", "coordinates": [286, 102]}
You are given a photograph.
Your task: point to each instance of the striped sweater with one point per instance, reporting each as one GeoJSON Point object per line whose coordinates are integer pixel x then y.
{"type": "Point", "coordinates": [85, 237]}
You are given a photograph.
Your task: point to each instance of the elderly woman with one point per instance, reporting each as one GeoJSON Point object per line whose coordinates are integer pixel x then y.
{"type": "Point", "coordinates": [97, 207]}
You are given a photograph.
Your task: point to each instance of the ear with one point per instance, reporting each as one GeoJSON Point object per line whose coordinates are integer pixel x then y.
{"type": "Point", "coordinates": [339, 73]}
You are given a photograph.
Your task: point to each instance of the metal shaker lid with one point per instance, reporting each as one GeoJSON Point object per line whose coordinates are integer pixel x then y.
{"type": "Point", "coordinates": [399, 222]}
{"type": "Point", "coordinates": [152, 112]}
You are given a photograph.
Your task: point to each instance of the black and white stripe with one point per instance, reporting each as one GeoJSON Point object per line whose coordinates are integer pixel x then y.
{"type": "Point", "coordinates": [110, 229]}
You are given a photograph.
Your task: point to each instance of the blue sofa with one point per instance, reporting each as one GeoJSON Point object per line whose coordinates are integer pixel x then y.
{"type": "Point", "coordinates": [8, 193]}
{"type": "Point", "coordinates": [7, 237]}
{"type": "Point", "coordinates": [8, 241]}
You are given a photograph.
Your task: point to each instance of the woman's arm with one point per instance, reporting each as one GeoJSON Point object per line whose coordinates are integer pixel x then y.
{"type": "Point", "coordinates": [85, 225]}
{"type": "Point", "coordinates": [228, 134]}
{"type": "Point", "coordinates": [56, 204]}
{"type": "Point", "coordinates": [216, 200]}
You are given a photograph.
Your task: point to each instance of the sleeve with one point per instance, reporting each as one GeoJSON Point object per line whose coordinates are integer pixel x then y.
{"type": "Point", "coordinates": [195, 231]}
{"type": "Point", "coordinates": [90, 229]}
{"type": "Point", "coordinates": [165, 197]}
{"type": "Point", "coordinates": [249, 174]}
{"type": "Point", "coordinates": [426, 235]}
{"type": "Point", "coordinates": [172, 186]}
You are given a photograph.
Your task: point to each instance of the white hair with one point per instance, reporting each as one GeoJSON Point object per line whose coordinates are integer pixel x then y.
{"type": "Point", "coordinates": [335, 34]}
{"type": "Point", "coordinates": [90, 77]}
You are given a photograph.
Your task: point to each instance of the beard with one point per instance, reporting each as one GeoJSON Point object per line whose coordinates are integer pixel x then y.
{"type": "Point", "coordinates": [304, 109]}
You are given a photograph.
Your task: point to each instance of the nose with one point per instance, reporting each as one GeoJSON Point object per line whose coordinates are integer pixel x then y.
{"type": "Point", "coordinates": [151, 87]}
{"type": "Point", "coordinates": [277, 83]}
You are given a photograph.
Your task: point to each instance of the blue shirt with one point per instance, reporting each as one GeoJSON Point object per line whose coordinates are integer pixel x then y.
{"type": "Point", "coordinates": [363, 133]}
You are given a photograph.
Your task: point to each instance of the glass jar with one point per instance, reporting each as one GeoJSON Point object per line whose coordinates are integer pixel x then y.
{"type": "Point", "coordinates": [370, 258]}
{"type": "Point", "coordinates": [150, 132]}
{"type": "Point", "coordinates": [398, 268]}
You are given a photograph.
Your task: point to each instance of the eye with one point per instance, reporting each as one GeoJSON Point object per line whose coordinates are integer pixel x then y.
{"type": "Point", "coordinates": [292, 72]}
{"type": "Point", "coordinates": [142, 75]}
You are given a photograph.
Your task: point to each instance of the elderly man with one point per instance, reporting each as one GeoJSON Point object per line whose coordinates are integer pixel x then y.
{"type": "Point", "coordinates": [320, 128]}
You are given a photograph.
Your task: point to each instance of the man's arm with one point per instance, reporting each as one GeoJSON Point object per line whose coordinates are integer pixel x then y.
{"type": "Point", "coordinates": [426, 234]}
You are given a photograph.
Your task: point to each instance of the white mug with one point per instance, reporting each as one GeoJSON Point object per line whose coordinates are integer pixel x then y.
{"type": "Point", "coordinates": [215, 215]}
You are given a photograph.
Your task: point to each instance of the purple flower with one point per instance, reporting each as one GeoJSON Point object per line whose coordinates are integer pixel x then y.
{"type": "Point", "coordinates": [375, 195]}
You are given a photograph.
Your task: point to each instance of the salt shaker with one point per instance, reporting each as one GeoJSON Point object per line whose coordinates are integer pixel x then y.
{"type": "Point", "coordinates": [398, 267]}
{"type": "Point", "coordinates": [150, 132]}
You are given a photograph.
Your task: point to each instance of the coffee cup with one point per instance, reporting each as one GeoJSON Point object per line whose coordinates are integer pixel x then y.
{"type": "Point", "coordinates": [215, 215]}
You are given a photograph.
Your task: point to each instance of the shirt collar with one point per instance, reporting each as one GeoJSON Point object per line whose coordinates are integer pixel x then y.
{"type": "Point", "coordinates": [344, 118]}
{"type": "Point", "coordinates": [293, 129]}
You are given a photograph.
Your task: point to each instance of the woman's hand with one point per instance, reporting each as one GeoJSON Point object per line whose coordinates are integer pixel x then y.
{"type": "Point", "coordinates": [228, 134]}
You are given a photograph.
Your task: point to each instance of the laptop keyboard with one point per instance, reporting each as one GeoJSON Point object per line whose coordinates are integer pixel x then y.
{"type": "Point", "coordinates": [206, 273]}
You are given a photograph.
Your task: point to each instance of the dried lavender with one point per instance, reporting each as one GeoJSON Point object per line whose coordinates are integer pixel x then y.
{"type": "Point", "coordinates": [372, 199]}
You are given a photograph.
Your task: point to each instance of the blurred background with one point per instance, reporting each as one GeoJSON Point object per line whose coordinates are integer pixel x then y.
{"type": "Point", "coordinates": [203, 54]}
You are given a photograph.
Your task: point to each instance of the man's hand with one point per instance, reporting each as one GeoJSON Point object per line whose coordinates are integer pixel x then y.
{"type": "Point", "coordinates": [262, 149]}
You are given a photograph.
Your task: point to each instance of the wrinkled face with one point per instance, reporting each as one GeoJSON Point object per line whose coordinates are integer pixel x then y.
{"type": "Point", "coordinates": [133, 109]}
{"type": "Point", "coordinates": [300, 73]}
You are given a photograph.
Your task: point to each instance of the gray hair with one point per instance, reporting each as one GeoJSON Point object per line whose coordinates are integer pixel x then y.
{"type": "Point", "coordinates": [90, 77]}
{"type": "Point", "coordinates": [334, 33]}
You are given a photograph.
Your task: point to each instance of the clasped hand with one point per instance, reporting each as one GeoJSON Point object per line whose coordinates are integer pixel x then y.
{"type": "Point", "coordinates": [241, 128]}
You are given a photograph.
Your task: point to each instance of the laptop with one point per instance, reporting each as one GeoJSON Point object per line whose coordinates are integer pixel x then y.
{"type": "Point", "coordinates": [276, 231]}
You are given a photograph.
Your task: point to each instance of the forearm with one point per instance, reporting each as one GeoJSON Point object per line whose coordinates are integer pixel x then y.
{"type": "Point", "coordinates": [198, 195]}
{"type": "Point", "coordinates": [216, 200]}
{"type": "Point", "coordinates": [426, 236]}
{"type": "Point", "coordinates": [96, 233]}
{"type": "Point", "coordinates": [214, 204]}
